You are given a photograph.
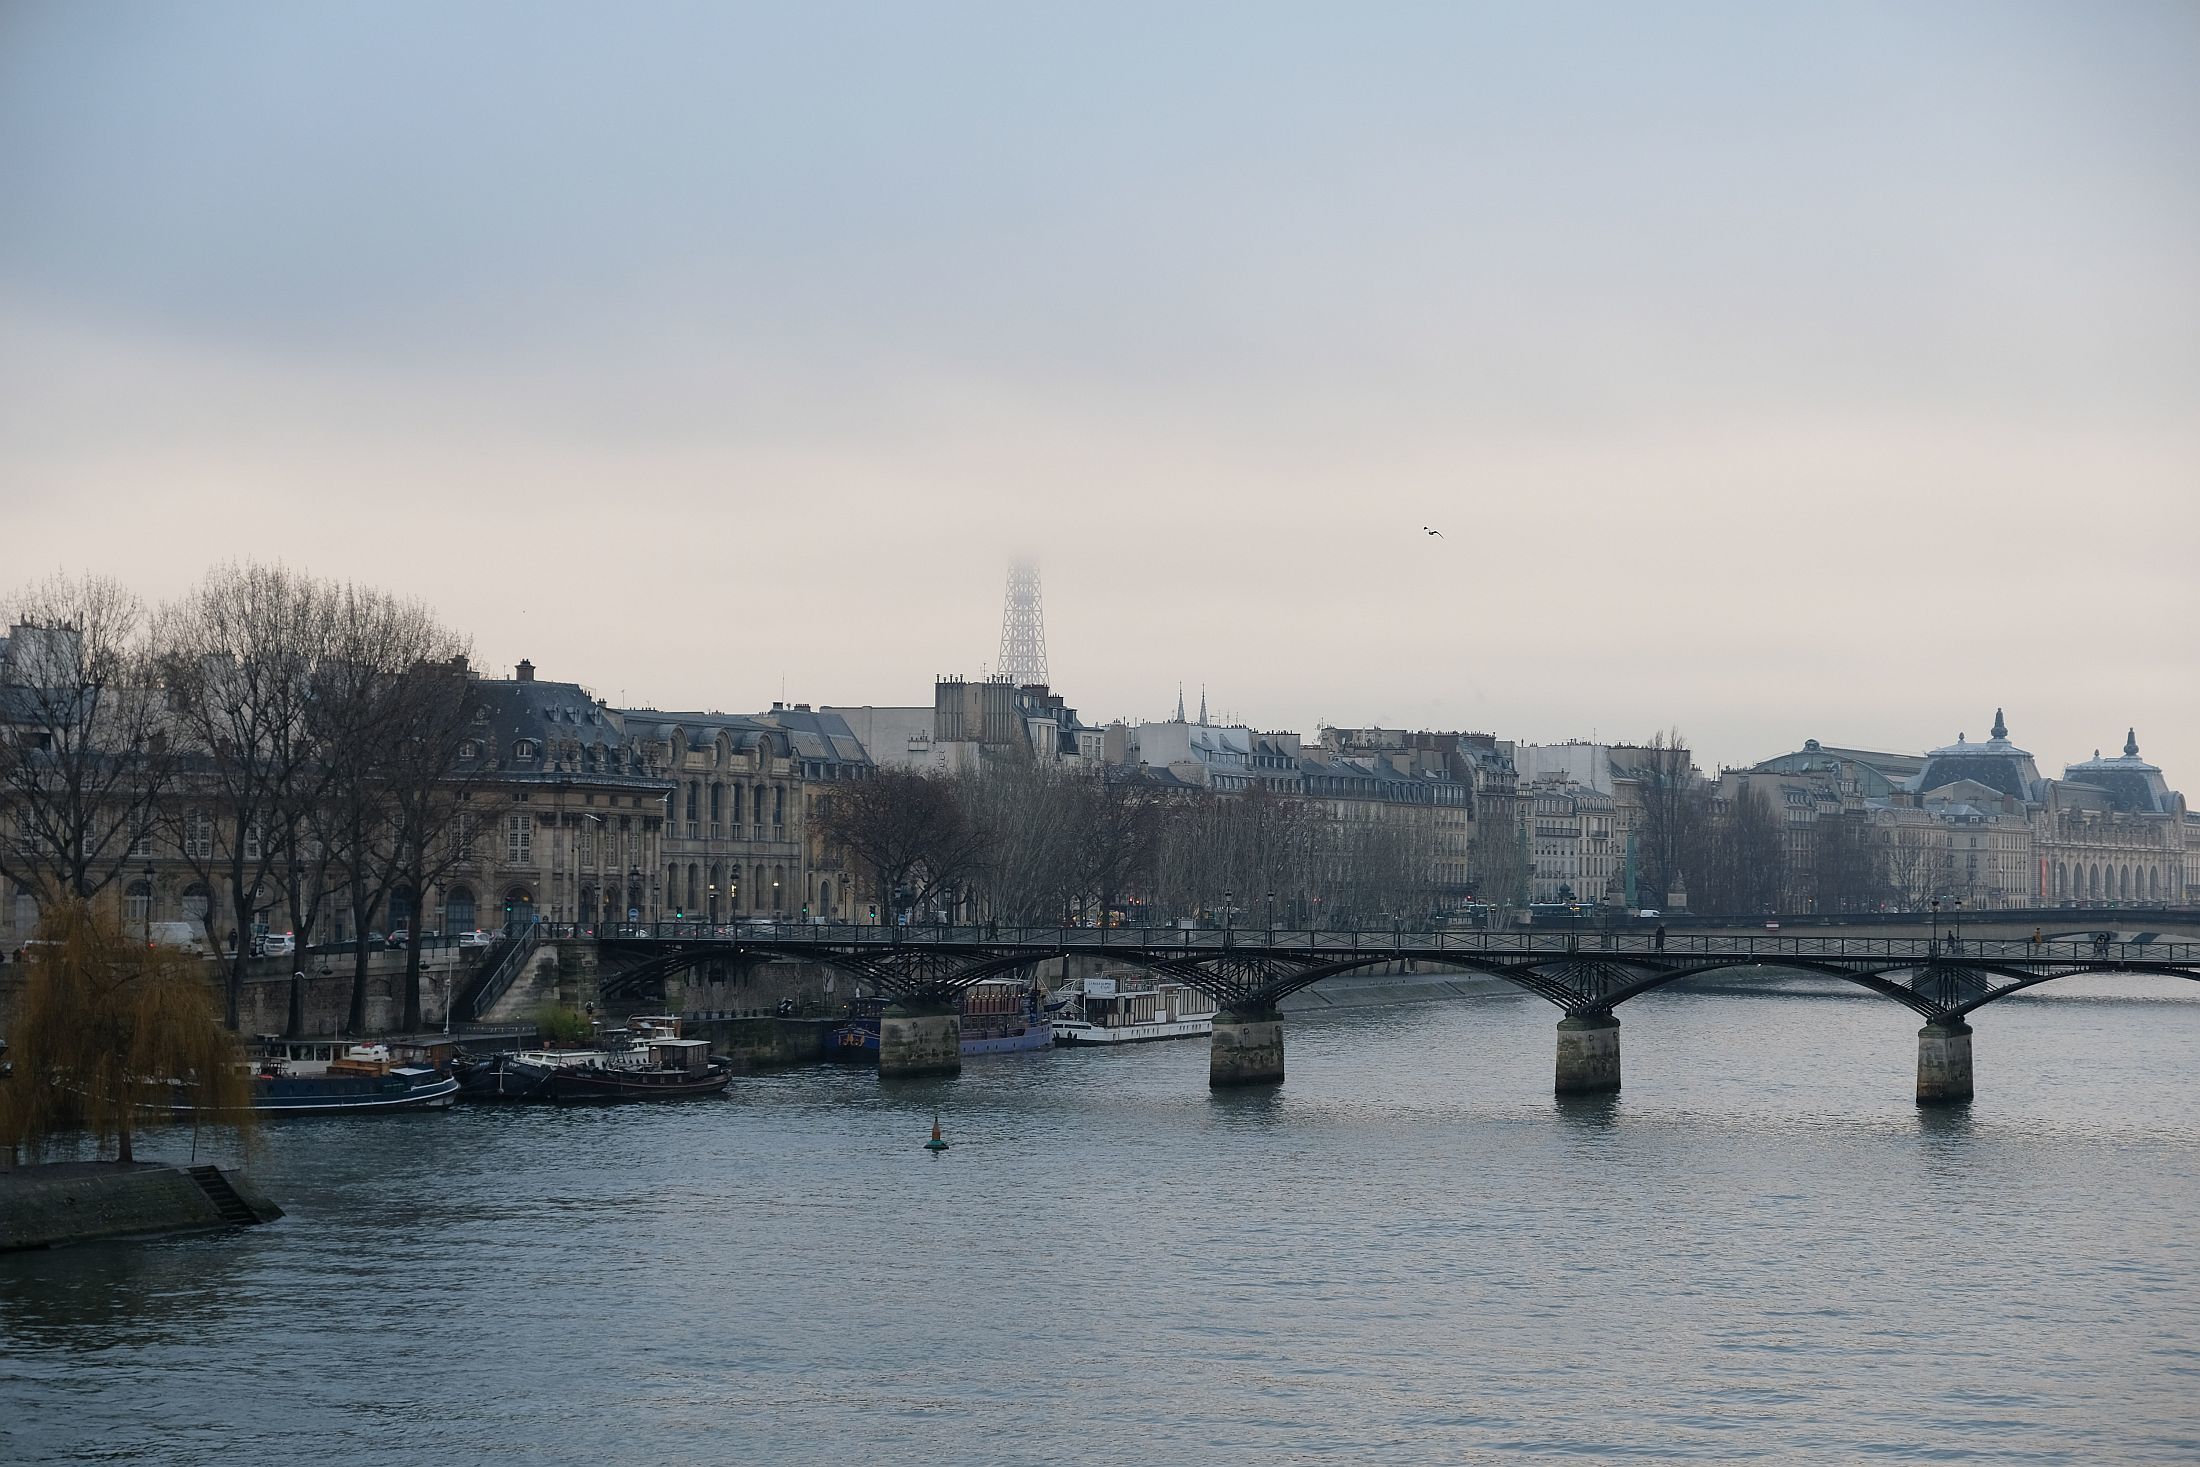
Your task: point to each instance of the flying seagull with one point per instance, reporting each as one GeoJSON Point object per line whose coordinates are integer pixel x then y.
{"type": "Point", "coordinates": [1439, 534]}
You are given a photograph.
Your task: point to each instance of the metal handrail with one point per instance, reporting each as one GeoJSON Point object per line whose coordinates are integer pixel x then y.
{"type": "Point", "coordinates": [1589, 944]}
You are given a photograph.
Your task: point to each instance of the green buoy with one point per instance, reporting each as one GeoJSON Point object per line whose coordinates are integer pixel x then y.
{"type": "Point", "coordinates": [935, 1145]}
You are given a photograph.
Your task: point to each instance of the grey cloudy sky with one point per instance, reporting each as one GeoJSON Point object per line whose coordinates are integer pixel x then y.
{"type": "Point", "coordinates": [1775, 371]}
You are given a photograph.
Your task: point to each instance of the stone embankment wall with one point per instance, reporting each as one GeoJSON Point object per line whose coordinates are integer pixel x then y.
{"type": "Point", "coordinates": [760, 988]}
{"type": "Point", "coordinates": [764, 1043]}
{"type": "Point", "coordinates": [79, 1202]}
{"type": "Point", "coordinates": [263, 1000]}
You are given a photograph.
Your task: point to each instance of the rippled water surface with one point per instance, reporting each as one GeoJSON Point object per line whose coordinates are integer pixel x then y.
{"type": "Point", "coordinates": [1408, 1253]}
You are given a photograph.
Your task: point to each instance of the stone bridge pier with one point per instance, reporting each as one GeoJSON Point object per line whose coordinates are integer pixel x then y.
{"type": "Point", "coordinates": [920, 1037]}
{"type": "Point", "coordinates": [1588, 1054]}
{"type": "Point", "coordinates": [1944, 1063]}
{"type": "Point", "coordinates": [1247, 1047]}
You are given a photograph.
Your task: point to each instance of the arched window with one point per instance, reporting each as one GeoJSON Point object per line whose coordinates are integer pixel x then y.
{"type": "Point", "coordinates": [779, 888]}
{"type": "Point", "coordinates": [137, 903]}
{"type": "Point", "coordinates": [195, 903]}
{"type": "Point", "coordinates": [458, 910]}
{"type": "Point", "coordinates": [695, 889]}
{"type": "Point", "coordinates": [519, 907]}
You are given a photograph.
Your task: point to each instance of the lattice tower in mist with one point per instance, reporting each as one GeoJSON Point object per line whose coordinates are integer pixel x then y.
{"type": "Point", "coordinates": [1023, 659]}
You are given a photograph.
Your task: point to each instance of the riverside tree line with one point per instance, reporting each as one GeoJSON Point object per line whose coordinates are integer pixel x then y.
{"type": "Point", "coordinates": [297, 741]}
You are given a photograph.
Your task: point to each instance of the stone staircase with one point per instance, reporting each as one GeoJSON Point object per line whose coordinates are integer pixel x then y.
{"type": "Point", "coordinates": [234, 1210]}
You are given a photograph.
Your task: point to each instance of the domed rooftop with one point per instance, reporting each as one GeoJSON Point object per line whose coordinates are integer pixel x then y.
{"type": "Point", "coordinates": [2132, 783]}
{"type": "Point", "coordinates": [1996, 764]}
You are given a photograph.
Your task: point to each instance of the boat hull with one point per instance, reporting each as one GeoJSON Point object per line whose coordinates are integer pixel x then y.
{"type": "Point", "coordinates": [338, 1095]}
{"type": "Point", "coordinates": [1073, 1034]}
{"type": "Point", "coordinates": [511, 1080]}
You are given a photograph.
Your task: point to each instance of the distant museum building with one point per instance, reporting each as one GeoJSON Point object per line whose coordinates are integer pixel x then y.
{"type": "Point", "coordinates": [1979, 824]}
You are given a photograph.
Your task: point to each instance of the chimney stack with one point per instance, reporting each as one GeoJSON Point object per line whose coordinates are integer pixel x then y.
{"type": "Point", "coordinates": [525, 671]}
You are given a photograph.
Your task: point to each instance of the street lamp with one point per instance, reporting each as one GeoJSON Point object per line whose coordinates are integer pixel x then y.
{"type": "Point", "coordinates": [714, 900]}
{"type": "Point", "coordinates": [148, 903]}
{"type": "Point", "coordinates": [1271, 914]}
{"type": "Point", "coordinates": [1935, 946]}
{"type": "Point", "coordinates": [1229, 908]}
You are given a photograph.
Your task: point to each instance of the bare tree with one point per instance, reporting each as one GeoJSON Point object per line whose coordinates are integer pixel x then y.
{"type": "Point", "coordinates": [1674, 813]}
{"type": "Point", "coordinates": [85, 759]}
{"type": "Point", "coordinates": [1023, 815]}
{"type": "Point", "coordinates": [240, 656]}
{"type": "Point", "coordinates": [1118, 825]}
{"type": "Point", "coordinates": [910, 829]}
{"type": "Point", "coordinates": [437, 793]}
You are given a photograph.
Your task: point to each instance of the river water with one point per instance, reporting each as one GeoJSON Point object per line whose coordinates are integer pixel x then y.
{"type": "Point", "coordinates": [1408, 1253]}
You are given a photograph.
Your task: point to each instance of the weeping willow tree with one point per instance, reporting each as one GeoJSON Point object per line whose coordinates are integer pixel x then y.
{"type": "Point", "coordinates": [109, 1034]}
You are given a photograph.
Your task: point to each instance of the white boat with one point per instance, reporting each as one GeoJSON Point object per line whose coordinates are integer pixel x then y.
{"type": "Point", "coordinates": [1132, 1008]}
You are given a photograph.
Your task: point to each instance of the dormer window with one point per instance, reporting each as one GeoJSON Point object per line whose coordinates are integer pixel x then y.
{"type": "Point", "coordinates": [524, 749]}
{"type": "Point", "coordinates": [470, 749]}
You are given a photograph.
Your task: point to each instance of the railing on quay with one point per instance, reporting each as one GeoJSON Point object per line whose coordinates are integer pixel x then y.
{"type": "Point", "coordinates": [1043, 941]}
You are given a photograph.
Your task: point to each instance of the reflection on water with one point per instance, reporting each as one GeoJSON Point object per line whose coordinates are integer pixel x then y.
{"type": "Point", "coordinates": [1409, 1252]}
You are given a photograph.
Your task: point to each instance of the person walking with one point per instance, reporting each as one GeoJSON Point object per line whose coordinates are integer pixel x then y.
{"type": "Point", "coordinates": [1661, 937]}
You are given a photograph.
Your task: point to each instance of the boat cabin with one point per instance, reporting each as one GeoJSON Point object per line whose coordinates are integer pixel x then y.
{"type": "Point", "coordinates": [1135, 999]}
{"type": "Point", "coordinates": [692, 1056]}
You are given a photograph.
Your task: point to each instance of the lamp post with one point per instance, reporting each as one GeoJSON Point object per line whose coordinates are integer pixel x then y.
{"type": "Point", "coordinates": [1934, 947]}
{"type": "Point", "coordinates": [714, 901]}
{"type": "Point", "coordinates": [1229, 908]}
{"type": "Point", "coordinates": [633, 893]}
{"type": "Point", "coordinates": [1956, 919]}
{"type": "Point", "coordinates": [1271, 915]}
{"type": "Point", "coordinates": [148, 903]}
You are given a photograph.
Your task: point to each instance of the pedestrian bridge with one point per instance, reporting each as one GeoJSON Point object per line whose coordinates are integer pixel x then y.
{"type": "Point", "coordinates": [1944, 978]}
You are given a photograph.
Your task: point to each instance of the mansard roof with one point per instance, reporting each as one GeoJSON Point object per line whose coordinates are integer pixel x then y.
{"type": "Point", "coordinates": [1997, 764]}
{"type": "Point", "coordinates": [2130, 782]}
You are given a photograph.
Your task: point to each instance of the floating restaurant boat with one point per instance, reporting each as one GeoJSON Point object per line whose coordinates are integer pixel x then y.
{"type": "Point", "coordinates": [999, 1016]}
{"type": "Point", "coordinates": [654, 1063]}
{"type": "Point", "coordinates": [339, 1077]}
{"type": "Point", "coordinates": [1131, 1008]}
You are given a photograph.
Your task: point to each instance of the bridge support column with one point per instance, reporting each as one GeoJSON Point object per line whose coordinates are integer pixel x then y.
{"type": "Point", "coordinates": [1944, 1064]}
{"type": "Point", "coordinates": [1247, 1048]}
{"type": "Point", "coordinates": [1588, 1054]}
{"type": "Point", "coordinates": [919, 1038]}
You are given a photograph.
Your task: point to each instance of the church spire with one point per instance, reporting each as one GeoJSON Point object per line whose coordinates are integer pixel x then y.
{"type": "Point", "coordinates": [1180, 702]}
{"type": "Point", "coordinates": [1202, 705]}
{"type": "Point", "coordinates": [2001, 730]}
{"type": "Point", "coordinates": [2131, 743]}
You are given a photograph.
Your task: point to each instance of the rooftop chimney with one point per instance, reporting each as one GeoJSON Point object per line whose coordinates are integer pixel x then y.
{"type": "Point", "coordinates": [525, 671]}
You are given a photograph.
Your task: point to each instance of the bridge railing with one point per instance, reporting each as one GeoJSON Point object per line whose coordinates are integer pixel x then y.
{"type": "Point", "coordinates": [1326, 942]}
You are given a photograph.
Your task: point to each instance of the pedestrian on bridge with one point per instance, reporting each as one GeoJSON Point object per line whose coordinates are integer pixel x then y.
{"type": "Point", "coordinates": [1661, 937]}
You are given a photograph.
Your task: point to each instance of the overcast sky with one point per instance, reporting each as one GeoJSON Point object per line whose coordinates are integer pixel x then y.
{"type": "Point", "coordinates": [1773, 371]}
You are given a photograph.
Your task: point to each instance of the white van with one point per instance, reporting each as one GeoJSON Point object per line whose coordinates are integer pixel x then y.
{"type": "Point", "coordinates": [189, 937]}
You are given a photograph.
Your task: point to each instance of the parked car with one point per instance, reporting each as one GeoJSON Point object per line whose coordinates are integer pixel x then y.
{"type": "Point", "coordinates": [475, 940]}
{"type": "Point", "coordinates": [274, 944]}
{"type": "Point", "coordinates": [400, 938]}
{"type": "Point", "coordinates": [187, 937]}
